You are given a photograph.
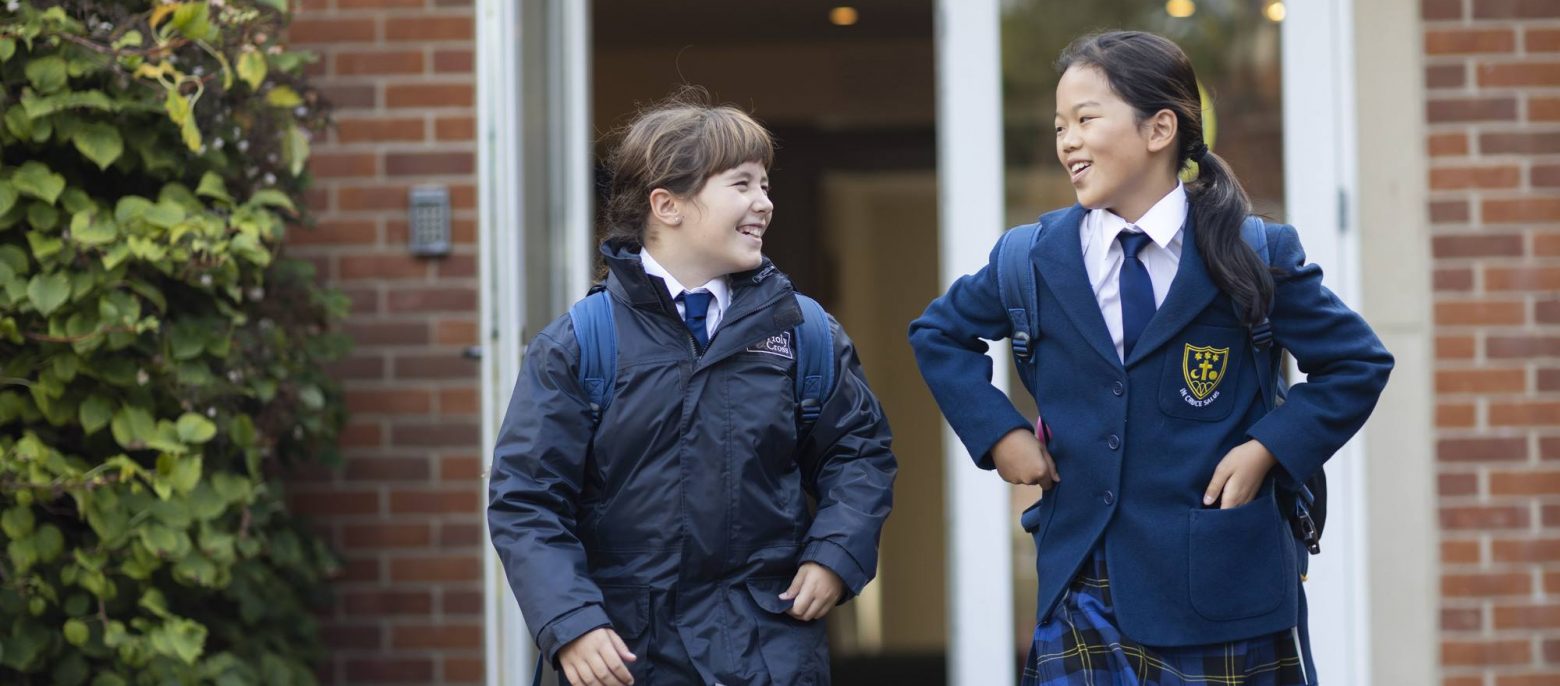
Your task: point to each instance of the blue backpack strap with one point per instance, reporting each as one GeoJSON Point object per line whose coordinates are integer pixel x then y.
{"type": "Point", "coordinates": [814, 360]}
{"type": "Point", "coordinates": [596, 334]}
{"type": "Point", "coordinates": [1254, 232]}
{"type": "Point", "coordinates": [1016, 284]}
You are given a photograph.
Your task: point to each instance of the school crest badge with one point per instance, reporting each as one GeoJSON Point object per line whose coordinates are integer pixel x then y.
{"type": "Point", "coordinates": [1203, 368]}
{"type": "Point", "coordinates": [778, 345]}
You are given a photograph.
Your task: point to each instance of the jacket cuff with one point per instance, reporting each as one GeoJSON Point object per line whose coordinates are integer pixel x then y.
{"type": "Point", "coordinates": [566, 627]}
{"type": "Point", "coordinates": [1296, 466]}
{"type": "Point", "coordinates": [980, 445]}
{"type": "Point", "coordinates": [839, 561]}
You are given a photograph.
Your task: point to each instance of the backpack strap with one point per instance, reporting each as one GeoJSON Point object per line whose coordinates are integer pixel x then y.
{"type": "Point", "coordinates": [1016, 286]}
{"type": "Point", "coordinates": [814, 360]}
{"type": "Point", "coordinates": [596, 334]}
{"type": "Point", "coordinates": [1254, 232]}
{"type": "Point", "coordinates": [1308, 511]}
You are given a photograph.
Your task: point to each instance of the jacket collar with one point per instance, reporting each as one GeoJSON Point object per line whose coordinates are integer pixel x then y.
{"type": "Point", "coordinates": [1058, 257]}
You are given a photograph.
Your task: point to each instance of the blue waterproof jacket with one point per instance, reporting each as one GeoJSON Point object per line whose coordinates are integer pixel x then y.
{"type": "Point", "coordinates": [680, 520]}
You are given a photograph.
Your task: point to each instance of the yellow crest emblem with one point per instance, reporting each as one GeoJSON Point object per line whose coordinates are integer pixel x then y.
{"type": "Point", "coordinates": [1203, 368]}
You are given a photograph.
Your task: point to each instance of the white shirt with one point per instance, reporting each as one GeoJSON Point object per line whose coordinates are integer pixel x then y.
{"type": "Point", "coordinates": [1102, 255]}
{"type": "Point", "coordinates": [718, 287]}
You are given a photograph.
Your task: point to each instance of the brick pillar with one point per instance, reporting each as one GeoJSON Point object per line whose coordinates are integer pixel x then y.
{"type": "Point", "coordinates": [404, 510]}
{"type": "Point", "coordinates": [1493, 85]}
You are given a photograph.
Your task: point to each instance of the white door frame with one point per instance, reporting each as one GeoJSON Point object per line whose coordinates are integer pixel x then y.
{"type": "Point", "coordinates": [1320, 181]}
{"type": "Point", "coordinates": [501, 149]}
{"type": "Point", "coordinates": [971, 215]}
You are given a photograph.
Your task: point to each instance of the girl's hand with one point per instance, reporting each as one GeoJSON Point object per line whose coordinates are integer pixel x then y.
{"type": "Point", "coordinates": [597, 658]}
{"type": "Point", "coordinates": [1239, 475]}
{"type": "Point", "coordinates": [816, 589]}
{"type": "Point", "coordinates": [1022, 459]}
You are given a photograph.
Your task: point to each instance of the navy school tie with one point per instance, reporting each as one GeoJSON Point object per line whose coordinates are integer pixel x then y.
{"type": "Point", "coordinates": [696, 304]}
{"type": "Point", "coordinates": [1137, 290]}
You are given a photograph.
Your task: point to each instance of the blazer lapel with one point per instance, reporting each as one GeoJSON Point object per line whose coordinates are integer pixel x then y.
{"type": "Point", "coordinates": [1058, 260]}
{"type": "Point", "coordinates": [1189, 295]}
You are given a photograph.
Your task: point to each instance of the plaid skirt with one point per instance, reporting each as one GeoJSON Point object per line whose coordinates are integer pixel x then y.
{"type": "Point", "coordinates": [1080, 644]}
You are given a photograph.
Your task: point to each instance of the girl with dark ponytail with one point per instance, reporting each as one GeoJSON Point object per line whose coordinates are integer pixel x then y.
{"type": "Point", "coordinates": [1144, 334]}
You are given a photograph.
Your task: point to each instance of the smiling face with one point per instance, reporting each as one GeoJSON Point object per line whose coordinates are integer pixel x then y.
{"type": "Point", "coordinates": [717, 231]}
{"type": "Point", "coordinates": [1114, 160]}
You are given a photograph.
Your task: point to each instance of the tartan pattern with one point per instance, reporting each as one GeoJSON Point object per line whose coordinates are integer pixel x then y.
{"type": "Point", "coordinates": [1080, 645]}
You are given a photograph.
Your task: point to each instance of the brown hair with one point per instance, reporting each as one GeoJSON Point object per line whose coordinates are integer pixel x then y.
{"type": "Point", "coordinates": [676, 144]}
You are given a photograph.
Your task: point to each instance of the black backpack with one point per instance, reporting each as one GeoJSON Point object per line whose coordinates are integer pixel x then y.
{"type": "Point", "coordinates": [1305, 504]}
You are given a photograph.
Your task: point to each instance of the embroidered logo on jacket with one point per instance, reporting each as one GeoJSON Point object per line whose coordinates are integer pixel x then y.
{"type": "Point", "coordinates": [1203, 368]}
{"type": "Point", "coordinates": [778, 345]}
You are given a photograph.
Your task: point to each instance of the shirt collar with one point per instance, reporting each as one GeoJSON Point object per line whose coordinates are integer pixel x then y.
{"type": "Point", "coordinates": [1162, 222]}
{"type": "Point", "coordinates": [718, 287]}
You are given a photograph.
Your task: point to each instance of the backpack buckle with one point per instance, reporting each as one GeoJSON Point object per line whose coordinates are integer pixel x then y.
{"type": "Point", "coordinates": [1307, 528]}
{"type": "Point", "coordinates": [810, 411]}
{"type": "Point", "coordinates": [1021, 346]}
{"type": "Point", "coordinates": [1262, 335]}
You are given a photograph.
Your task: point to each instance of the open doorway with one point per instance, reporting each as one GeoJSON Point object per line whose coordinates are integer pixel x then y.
{"type": "Point", "coordinates": [850, 96]}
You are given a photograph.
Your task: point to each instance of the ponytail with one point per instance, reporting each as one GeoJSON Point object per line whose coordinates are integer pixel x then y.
{"type": "Point", "coordinates": [1219, 207]}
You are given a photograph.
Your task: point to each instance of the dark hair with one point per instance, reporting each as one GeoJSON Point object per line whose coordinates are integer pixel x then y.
{"type": "Point", "coordinates": [676, 144]}
{"type": "Point", "coordinates": [1151, 73]}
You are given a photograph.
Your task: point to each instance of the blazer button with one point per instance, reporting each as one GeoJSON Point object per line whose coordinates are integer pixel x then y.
{"type": "Point", "coordinates": [1117, 388]}
{"type": "Point", "coordinates": [1114, 442]}
{"type": "Point", "coordinates": [1110, 498]}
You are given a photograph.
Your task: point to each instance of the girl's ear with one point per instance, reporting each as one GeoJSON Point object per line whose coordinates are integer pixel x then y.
{"type": "Point", "coordinates": [1161, 128]}
{"type": "Point", "coordinates": [665, 208]}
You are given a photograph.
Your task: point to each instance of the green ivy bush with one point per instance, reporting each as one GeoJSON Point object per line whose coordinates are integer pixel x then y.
{"type": "Point", "coordinates": [161, 364]}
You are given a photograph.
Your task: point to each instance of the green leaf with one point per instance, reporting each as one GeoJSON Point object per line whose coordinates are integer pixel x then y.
{"type": "Point", "coordinates": [295, 149]}
{"type": "Point", "coordinates": [271, 197]}
{"type": "Point", "coordinates": [188, 339]}
{"type": "Point", "coordinates": [131, 39]}
{"type": "Point", "coordinates": [252, 68]}
{"type": "Point", "coordinates": [76, 632]}
{"type": "Point", "coordinates": [42, 216]}
{"type": "Point", "coordinates": [36, 180]}
{"type": "Point", "coordinates": [130, 209]}
{"type": "Point", "coordinates": [282, 96]}
{"type": "Point", "coordinates": [23, 553]}
{"type": "Point", "coordinates": [90, 229]}
{"type": "Point", "coordinates": [116, 255]}
{"type": "Point", "coordinates": [17, 522]}
{"type": "Point", "coordinates": [18, 123]}
{"type": "Point", "coordinates": [182, 473]}
{"type": "Point", "coordinates": [100, 143]}
{"type": "Point", "coordinates": [191, 20]}
{"type": "Point", "coordinates": [196, 429]}
{"type": "Point", "coordinates": [95, 413]}
{"type": "Point", "coordinates": [211, 186]}
{"type": "Point", "coordinates": [206, 503]}
{"type": "Point", "coordinates": [49, 542]}
{"type": "Point", "coordinates": [164, 214]}
{"type": "Point", "coordinates": [47, 74]}
{"type": "Point", "coordinates": [44, 245]}
{"type": "Point", "coordinates": [8, 48]}
{"type": "Point", "coordinates": [184, 638]}
{"type": "Point", "coordinates": [133, 426]}
{"type": "Point", "coordinates": [48, 292]}
{"type": "Point", "coordinates": [8, 197]}
{"type": "Point", "coordinates": [70, 100]}
{"type": "Point", "coordinates": [278, 5]}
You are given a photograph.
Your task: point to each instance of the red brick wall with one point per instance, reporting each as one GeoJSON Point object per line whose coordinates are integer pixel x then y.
{"type": "Point", "coordinates": [1492, 73]}
{"type": "Point", "coordinates": [404, 511]}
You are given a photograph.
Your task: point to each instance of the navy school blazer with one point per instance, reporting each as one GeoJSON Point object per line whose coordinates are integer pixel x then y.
{"type": "Point", "coordinates": [1136, 443]}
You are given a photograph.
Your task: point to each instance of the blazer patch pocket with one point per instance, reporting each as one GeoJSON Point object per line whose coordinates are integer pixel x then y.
{"type": "Point", "coordinates": [1203, 372]}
